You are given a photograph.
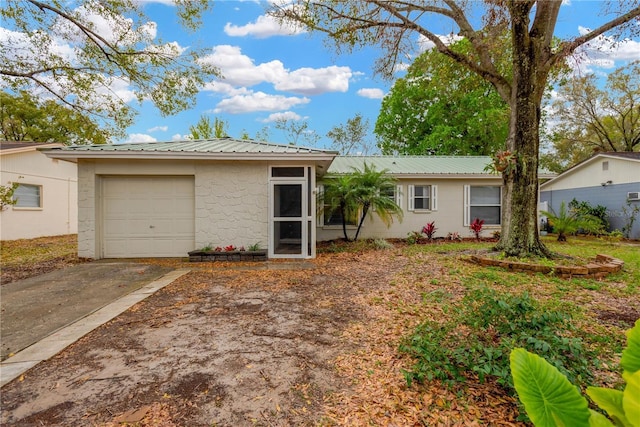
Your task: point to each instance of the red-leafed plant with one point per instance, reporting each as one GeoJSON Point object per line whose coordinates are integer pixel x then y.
{"type": "Point", "coordinates": [476, 227]}
{"type": "Point", "coordinates": [218, 249]}
{"type": "Point", "coordinates": [429, 230]}
{"type": "Point", "coordinates": [230, 248]}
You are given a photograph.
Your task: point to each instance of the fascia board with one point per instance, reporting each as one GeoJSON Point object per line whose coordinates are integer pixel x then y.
{"type": "Point", "coordinates": [155, 155]}
{"type": "Point", "coordinates": [35, 147]}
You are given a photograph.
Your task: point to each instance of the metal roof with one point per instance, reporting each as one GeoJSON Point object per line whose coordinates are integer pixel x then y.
{"type": "Point", "coordinates": [218, 145]}
{"type": "Point", "coordinates": [6, 146]}
{"type": "Point", "coordinates": [414, 165]}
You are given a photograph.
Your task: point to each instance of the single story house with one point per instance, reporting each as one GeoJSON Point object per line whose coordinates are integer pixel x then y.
{"type": "Point", "coordinates": [164, 199]}
{"type": "Point", "coordinates": [47, 194]}
{"type": "Point", "coordinates": [610, 179]}
{"type": "Point", "coordinates": [448, 190]}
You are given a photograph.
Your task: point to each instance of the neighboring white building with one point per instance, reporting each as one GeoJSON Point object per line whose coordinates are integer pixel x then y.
{"type": "Point", "coordinates": [610, 179]}
{"type": "Point", "coordinates": [164, 199]}
{"type": "Point", "coordinates": [47, 194]}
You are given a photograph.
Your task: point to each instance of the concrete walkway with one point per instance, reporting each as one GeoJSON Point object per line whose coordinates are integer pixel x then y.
{"type": "Point", "coordinates": [55, 342]}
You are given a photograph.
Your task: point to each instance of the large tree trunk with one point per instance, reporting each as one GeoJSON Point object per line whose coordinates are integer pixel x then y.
{"type": "Point", "coordinates": [519, 235]}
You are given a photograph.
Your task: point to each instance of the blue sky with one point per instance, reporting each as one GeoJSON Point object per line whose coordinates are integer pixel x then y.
{"type": "Point", "coordinates": [270, 72]}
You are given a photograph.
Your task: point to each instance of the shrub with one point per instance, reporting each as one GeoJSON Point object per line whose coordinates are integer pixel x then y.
{"type": "Point", "coordinates": [413, 237]}
{"type": "Point", "coordinates": [382, 244]}
{"type": "Point", "coordinates": [568, 221]}
{"type": "Point", "coordinates": [454, 236]}
{"type": "Point", "coordinates": [597, 213]}
{"type": "Point", "coordinates": [482, 330]}
{"type": "Point", "coordinates": [429, 229]}
{"type": "Point", "coordinates": [476, 227]}
{"type": "Point", "coordinates": [255, 247]}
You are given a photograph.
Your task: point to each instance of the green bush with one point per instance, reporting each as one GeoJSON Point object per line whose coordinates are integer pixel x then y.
{"type": "Point", "coordinates": [482, 329]}
{"type": "Point", "coordinates": [599, 212]}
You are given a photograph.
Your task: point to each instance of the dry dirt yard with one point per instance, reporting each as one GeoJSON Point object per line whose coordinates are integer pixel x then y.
{"type": "Point", "coordinates": [311, 344]}
{"type": "Point", "coordinates": [218, 347]}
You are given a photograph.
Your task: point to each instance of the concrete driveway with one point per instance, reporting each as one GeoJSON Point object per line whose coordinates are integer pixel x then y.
{"type": "Point", "coordinates": [34, 308]}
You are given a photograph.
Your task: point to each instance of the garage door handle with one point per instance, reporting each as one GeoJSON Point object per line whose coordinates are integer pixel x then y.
{"type": "Point", "coordinates": [152, 226]}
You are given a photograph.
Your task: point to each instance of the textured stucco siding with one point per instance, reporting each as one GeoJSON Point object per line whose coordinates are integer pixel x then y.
{"type": "Point", "coordinates": [231, 199]}
{"type": "Point", "coordinates": [86, 209]}
{"type": "Point", "coordinates": [59, 192]}
{"type": "Point", "coordinates": [231, 204]}
{"type": "Point", "coordinates": [613, 197]}
{"type": "Point", "coordinates": [449, 216]}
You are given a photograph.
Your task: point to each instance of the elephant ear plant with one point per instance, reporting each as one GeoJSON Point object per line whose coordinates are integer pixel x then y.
{"type": "Point", "coordinates": [551, 400]}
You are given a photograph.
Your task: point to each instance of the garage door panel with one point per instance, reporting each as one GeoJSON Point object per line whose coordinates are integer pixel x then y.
{"type": "Point", "coordinates": [148, 216]}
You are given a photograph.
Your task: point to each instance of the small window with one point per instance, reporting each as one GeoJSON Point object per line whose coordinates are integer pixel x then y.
{"type": "Point", "coordinates": [390, 192]}
{"type": "Point", "coordinates": [28, 196]}
{"type": "Point", "coordinates": [422, 197]}
{"type": "Point", "coordinates": [287, 172]}
{"type": "Point", "coordinates": [605, 166]}
{"type": "Point", "coordinates": [331, 217]}
{"type": "Point", "coordinates": [334, 217]}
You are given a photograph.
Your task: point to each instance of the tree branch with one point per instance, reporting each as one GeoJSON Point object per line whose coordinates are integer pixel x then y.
{"type": "Point", "coordinates": [567, 48]}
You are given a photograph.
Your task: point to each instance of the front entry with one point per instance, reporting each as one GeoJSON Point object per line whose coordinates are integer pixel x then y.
{"type": "Point", "coordinates": [291, 214]}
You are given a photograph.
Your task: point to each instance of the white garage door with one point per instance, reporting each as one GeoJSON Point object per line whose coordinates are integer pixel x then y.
{"type": "Point", "coordinates": [148, 216]}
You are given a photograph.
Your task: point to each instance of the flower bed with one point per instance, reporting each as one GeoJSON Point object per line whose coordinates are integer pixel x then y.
{"type": "Point", "coordinates": [601, 266]}
{"type": "Point", "coordinates": [212, 256]}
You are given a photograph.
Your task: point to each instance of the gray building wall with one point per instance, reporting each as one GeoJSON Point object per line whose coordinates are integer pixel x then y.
{"type": "Point", "coordinates": [613, 197]}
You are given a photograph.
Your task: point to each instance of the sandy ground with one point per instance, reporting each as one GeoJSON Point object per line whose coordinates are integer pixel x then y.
{"type": "Point", "coordinates": [215, 348]}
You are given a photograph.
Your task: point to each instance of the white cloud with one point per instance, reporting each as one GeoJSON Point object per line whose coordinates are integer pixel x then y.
{"type": "Point", "coordinates": [265, 26]}
{"type": "Point", "coordinates": [314, 81]}
{"type": "Point", "coordinates": [258, 101]}
{"type": "Point", "coordinates": [178, 137]}
{"type": "Point", "coordinates": [225, 88]}
{"type": "Point", "coordinates": [372, 93]}
{"type": "Point", "coordinates": [158, 129]}
{"type": "Point", "coordinates": [140, 137]}
{"type": "Point", "coordinates": [602, 53]}
{"type": "Point", "coordinates": [239, 70]}
{"type": "Point", "coordinates": [425, 44]}
{"type": "Point", "coordinates": [287, 115]}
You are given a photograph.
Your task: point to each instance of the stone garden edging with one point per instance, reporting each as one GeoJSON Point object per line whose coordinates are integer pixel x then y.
{"type": "Point", "coordinates": [601, 266]}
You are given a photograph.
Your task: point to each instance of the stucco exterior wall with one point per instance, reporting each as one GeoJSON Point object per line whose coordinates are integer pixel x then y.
{"type": "Point", "coordinates": [58, 180]}
{"type": "Point", "coordinates": [231, 204]}
{"type": "Point", "coordinates": [449, 216]}
{"type": "Point", "coordinates": [231, 199]}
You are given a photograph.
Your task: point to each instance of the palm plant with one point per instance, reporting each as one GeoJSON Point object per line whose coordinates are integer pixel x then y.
{"type": "Point", "coordinates": [568, 221]}
{"type": "Point", "coordinates": [339, 196]}
{"type": "Point", "coordinates": [372, 190]}
{"type": "Point", "coordinates": [358, 194]}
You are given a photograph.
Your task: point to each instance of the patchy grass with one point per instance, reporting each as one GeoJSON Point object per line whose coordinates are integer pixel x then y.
{"type": "Point", "coordinates": [428, 297]}
{"type": "Point", "coordinates": [30, 257]}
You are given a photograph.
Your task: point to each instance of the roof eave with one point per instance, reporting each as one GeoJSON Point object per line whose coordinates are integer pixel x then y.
{"type": "Point", "coordinates": [35, 147]}
{"type": "Point", "coordinates": [173, 155]}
